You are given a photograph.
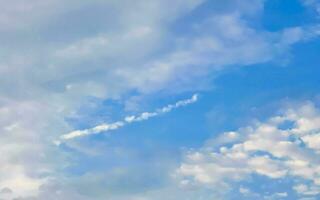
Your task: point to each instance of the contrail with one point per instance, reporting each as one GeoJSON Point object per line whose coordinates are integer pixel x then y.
{"type": "Point", "coordinates": [127, 120]}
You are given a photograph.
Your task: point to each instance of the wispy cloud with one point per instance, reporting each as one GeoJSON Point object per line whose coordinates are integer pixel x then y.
{"type": "Point", "coordinates": [127, 120]}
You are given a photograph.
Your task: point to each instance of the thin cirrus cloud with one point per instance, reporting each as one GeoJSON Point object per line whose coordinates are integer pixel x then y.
{"type": "Point", "coordinates": [127, 120]}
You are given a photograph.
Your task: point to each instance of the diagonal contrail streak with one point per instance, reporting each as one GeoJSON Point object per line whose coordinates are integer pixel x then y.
{"type": "Point", "coordinates": [127, 120]}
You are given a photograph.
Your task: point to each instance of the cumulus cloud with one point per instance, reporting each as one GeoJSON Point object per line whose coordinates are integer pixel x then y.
{"type": "Point", "coordinates": [268, 149]}
{"type": "Point", "coordinates": [129, 119]}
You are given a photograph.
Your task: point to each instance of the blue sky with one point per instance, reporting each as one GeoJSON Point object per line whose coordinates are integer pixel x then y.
{"type": "Point", "coordinates": [159, 99]}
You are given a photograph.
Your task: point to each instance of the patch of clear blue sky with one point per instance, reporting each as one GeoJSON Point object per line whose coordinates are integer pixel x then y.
{"type": "Point", "coordinates": [286, 13]}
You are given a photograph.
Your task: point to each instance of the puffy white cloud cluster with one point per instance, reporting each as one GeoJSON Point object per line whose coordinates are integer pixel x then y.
{"type": "Point", "coordinates": [283, 146]}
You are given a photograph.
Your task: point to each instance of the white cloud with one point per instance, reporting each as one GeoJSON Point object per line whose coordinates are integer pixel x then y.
{"type": "Point", "coordinates": [129, 119]}
{"type": "Point", "coordinates": [281, 194]}
{"type": "Point", "coordinates": [303, 189]}
{"type": "Point", "coordinates": [244, 191]}
{"type": "Point", "coordinates": [85, 47]}
{"type": "Point", "coordinates": [106, 63]}
{"type": "Point", "coordinates": [27, 155]}
{"type": "Point", "coordinates": [266, 149]}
